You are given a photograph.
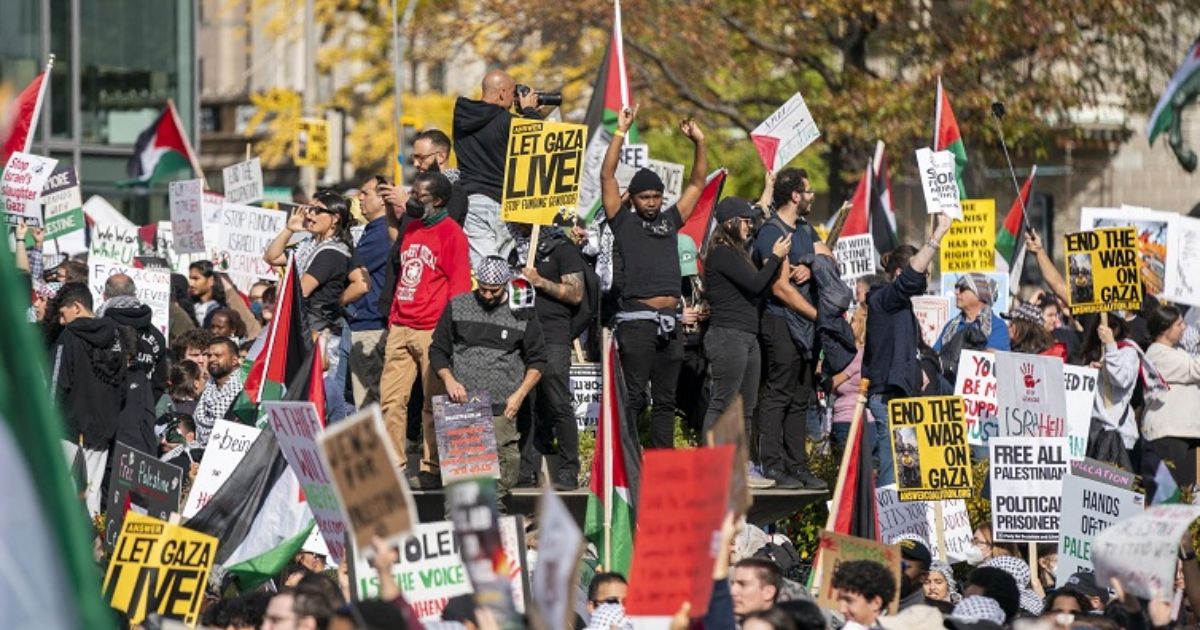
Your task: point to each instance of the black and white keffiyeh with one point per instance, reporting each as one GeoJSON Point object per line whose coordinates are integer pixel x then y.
{"type": "Point", "coordinates": [214, 403]}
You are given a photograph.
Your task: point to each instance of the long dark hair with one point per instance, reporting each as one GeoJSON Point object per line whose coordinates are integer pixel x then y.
{"type": "Point", "coordinates": [727, 234]}
{"type": "Point", "coordinates": [205, 267]}
{"type": "Point", "coordinates": [1029, 338]}
{"type": "Point", "coordinates": [338, 206]}
{"type": "Point", "coordinates": [1092, 349]}
{"type": "Point", "coordinates": [1161, 319]}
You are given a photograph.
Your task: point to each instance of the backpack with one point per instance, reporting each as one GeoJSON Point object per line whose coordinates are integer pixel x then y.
{"type": "Point", "coordinates": [584, 313]}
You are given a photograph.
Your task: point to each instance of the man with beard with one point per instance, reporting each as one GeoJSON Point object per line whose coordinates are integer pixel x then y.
{"type": "Point", "coordinates": [222, 389]}
{"type": "Point", "coordinates": [482, 345]}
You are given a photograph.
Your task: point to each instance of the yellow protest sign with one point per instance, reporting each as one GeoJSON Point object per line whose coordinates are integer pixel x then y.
{"type": "Point", "coordinates": [1102, 270]}
{"type": "Point", "coordinates": [970, 245]}
{"type": "Point", "coordinates": [930, 449]}
{"type": "Point", "coordinates": [542, 171]}
{"type": "Point", "coordinates": [311, 147]}
{"type": "Point", "coordinates": [158, 567]}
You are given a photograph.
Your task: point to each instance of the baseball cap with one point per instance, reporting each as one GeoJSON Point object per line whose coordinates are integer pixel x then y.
{"type": "Point", "coordinates": [915, 550]}
{"type": "Point", "coordinates": [733, 208]}
{"type": "Point", "coordinates": [687, 256]}
{"type": "Point", "coordinates": [1084, 582]}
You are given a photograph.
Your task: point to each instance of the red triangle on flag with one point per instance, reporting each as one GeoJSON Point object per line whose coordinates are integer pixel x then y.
{"type": "Point", "coordinates": [860, 205]}
{"type": "Point", "coordinates": [20, 125]}
{"type": "Point", "coordinates": [768, 148]}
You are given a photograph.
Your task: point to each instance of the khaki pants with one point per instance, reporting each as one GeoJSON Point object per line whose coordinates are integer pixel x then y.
{"type": "Point", "coordinates": [508, 452]}
{"type": "Point", "coordinates": [366, 365]}
{"type": "Point", "coordinates": [406, 357]}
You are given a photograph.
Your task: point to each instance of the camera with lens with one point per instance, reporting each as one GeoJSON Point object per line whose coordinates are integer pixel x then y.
{"type": "Point", "coordinates": [551, 99]}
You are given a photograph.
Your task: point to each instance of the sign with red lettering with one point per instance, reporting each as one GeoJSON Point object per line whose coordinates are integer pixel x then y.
{"type": "Point", "coordinates": [1030, 395]}
{"type": "Point", "coordinates": [24, 177]}
{"type": "Point", "coordinates": [466, 437]}
{"type": "Point", "coordinates": [976, 383]}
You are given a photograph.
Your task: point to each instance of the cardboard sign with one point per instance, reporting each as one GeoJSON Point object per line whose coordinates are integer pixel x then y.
{"type": "Point", "coordinates": [635, 156]}
{"type": "Point", "coordinates": [312, 143]}
{"type": "Point", "coordinates": [586, 387]}
{"type": "Point", "coordinates": [1143, 550]}
{"type": "Point", "coordinates": [1030, 400]}
{"type": "Point", "coordinates": [245, 234]}
{"type": "Point", "coordinates": [855, 257]}
{"type": "Point", "coordinates": [296, 426]}
{"type": "Point", "coordinates": [1026, 481]}
{"type": "Point", "coordinates": [118, 243]}
{"type": "Point", "coordinates": [139, 484]}
{"type": "Point", "coordinates": [1002, 291]}
{"type": "Point", "coordinates": [932, 311]}
{"type": "Point", "coordinates": [543, 171]}
{"type": "Point", "coordinates": [243, 182]}
{"type": "Point", "coordinates": [186, 199]}
{"type": "Point", "coordinates": [939, 183]}
{"type": "Point", "coordinates": [1095, 496]}
{"type": "Point", "coordinates": [227, 445]}
{"type": "Point", "coordinates": [672, 176]}
{"type": "Point", "coordinates": [25, 176]}
{"type": "Point", "coordinates": [466, 438]}
{"type": "Point", "coordinates": [153, 287]}
{"type": "Point", "coordinates": [784, 134]}
{"type": "Point", "coordinates": [838, 548]}
{"type": "Point", "coordinates": [64, 203]}
{"type": "Point", "coordinates": [897, 518]}
{"type": "Point", "coordinates": [472, 507]}
{"type": "Point", "coordinates": [929, 447]}
{"type": "Point", "coordinates": [684, 496]}
{"type": "Point", "coordinates": [560, 544]}
{"type": "Point", "coordinates": [1153, 237]}
{"type": "Point", "coordinates": [970, 245]}
{"type": "Point", "coordinates": [976, 384]}
{"type": "Point", "coordinates": [159, 568]}
{"type": "Point", "coordinates": [1183, 261]}
{"type": "Point", "coordinates": [1080, 384]}
{"type": "Point", "coordinates": [358, 455]}
{"type": "Point", "coordinates": [1102, 270]}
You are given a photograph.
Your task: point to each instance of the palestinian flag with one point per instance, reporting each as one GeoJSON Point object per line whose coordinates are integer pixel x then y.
{"type": "Point", "coordinates": [19, 129]}
{"type": "Point", "coordinates": [946, 136]}
{"type": "Point", "coordinates": [858, 221]}
{"type": "Point", "coordinates": [1166, 490]}
{"type": "Point", "coordinates": [287, 346]}
{"type": "Point", "coordinates": [616, 472]}
{"type": "Point", "coordinates": [853, 508]}
{"type": "Point", "coordinates": [48, 578]}
{"type": "Point", "coordinates": [1010, 241]}
{"type": "Point", "coordinates": [1167, 110]}
{"type": "Point", "coordinates": [701, 221]}
{"type": "Point", "coordinates": [162, 150]}
{"type": "Point", "coordinates": [883, 215]}
{"type": "Point", "coordinates": [609, 94]}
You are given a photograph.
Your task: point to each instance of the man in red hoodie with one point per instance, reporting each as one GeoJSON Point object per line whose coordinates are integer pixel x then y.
{"type": "Point", "coordinates": [433, 266]}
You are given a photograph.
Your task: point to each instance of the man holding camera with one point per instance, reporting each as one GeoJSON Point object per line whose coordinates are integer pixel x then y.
{"type": "Point", "coordinates": [481, 142]}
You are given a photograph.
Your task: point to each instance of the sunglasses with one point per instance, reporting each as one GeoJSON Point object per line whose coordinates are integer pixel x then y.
{"type": "Point", "coordinates": [316, 210]}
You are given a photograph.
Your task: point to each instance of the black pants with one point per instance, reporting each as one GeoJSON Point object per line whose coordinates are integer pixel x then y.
{"type": "Point", "coordinates": [788, 391]}
{"type": "Point", "coordinates": [692, 392]}
{"type": "Point", "coordinates": [651, 367]}
{"type": "Point", "coordinates": [1181, 453]}
{"type": "Point", "coordinates": [554, 413]}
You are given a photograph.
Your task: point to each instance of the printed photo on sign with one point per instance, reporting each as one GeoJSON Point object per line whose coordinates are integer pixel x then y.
{"type": "Point", "coordinates": [1026, 479]}
{"type": "Point", "coordinates": [785, 133]}
{"type": "Point", "coordinates": [1102, 270]}
{"type": "Point", "coordinates": [970, 245]}
{"type": "Point", "coordinates": [930, 449]}
{"type": "Point", "coordinates": [1030, 396]}
{"type": "Point", "coordinates": [1095, 496]}
{"type": "Point", "coordinates": [1153, 236]}
{"type": "Point", "coordinates": [543, 171]}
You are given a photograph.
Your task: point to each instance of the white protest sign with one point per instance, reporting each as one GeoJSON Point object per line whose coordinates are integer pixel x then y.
{"type": "Point", "coordinates": [227, 445]}
{"type": "Point", "coordinates": [1142, 550]}
{"type": "Point", "coordinates": [554, 576]}
{"type": "Point", "coordinates": [939, 183]}
{"type": "Point", "coordinates": [784, 134]}
{"type": "Point", "coordinates": [586, 387]}
{"type": "Point", "coordinates": [25, 176]}
{"type": "Point", "coordinates": [296, 425]}
{"type": "Point", "coordinates": [153, 287]}
{"type": "Point", "coordinates": [1080, 384]}
{"type": "Point", "coordinates": [1030, 397]}
{"type": "Point", "coordinates": [932, 311]}
{"type": "Point", "coordinates": [672, 176]}
{"type": "Point", "coordinates": [243, 182]}
{"type": "Point", "coordinates": [245, 233]}
{"type": "Point", "coordinates": [1026, 482]}
{"type": "Point", "coordinates": [897, 518]}
{"type": "Point", "coordinates": [635, 155]}
{"type": "Point", "coordinates": [1095, 495]}
{"type": "Point", "coordinates": [855, 257]}
{"type": "Point", "coordinates": [64, 203]}
{"type": "Point", "coordinates": [1183, 261]}
{"type": "Point", "coordinates": [115, 242]}
{"type": "Point", "coordinates": [975, 381]}
{"type": "Point", "coordinates": [187, 216]}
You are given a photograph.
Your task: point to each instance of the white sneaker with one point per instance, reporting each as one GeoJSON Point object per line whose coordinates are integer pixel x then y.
{"type": "Point", "coordinates": [755, 480]}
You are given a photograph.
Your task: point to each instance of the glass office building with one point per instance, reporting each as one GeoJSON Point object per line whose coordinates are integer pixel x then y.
{"type": "Point", "coordinates": [116, 64]}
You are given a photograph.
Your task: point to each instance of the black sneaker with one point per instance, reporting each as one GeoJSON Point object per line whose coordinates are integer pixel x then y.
{"type": "Point", "coordinates": [527, 481]}
{"type": "Point", "coordinates": [565, 482]}
{"type": "Point", "coordinates": [783, 481]}
{"type": "Point", "coordinates": [429, 481]}
{"type": "Point", "coordinates": [809, 481]}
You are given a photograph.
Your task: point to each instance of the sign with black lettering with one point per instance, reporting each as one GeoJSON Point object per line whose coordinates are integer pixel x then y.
{"type": "Point", "coordinates": [1030, 396]}
{"type": "Point", "coordinates": [1102, 270]}
{"type": "Point", "coordinates": [543, 171]}
{"type": "Point", "coordinates": [898, 518]}
{"type": "Point", "coordinates": [312, 143]}
{"type": "Point", "coordinates": [1142, 550]}
{"type": "Point", "coordinates": [1095, 495]}
{"type": "Point", "coordinates": [970, 245]}
{"type": "Point", "coordinates": [466, 437]}
{"type": "Point", "coordinates": [586, 387]}
{"type": "Point", "coordinates": [243, 182]}
{"type": "Point", "coordinates": [929, 444]}
{"type": "Point", "coordinates": [1026, 481]}
{"type": "Point", "coordinates": [141, 484]}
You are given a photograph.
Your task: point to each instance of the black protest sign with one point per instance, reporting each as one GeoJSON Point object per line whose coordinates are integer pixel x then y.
{"type": "Point", "coordinates": [140, 483]}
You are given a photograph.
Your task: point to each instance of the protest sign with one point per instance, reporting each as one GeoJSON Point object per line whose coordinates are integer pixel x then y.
{"type": "Point", "coordinates": [357, 453]}
{"type": "Point", "coordinates": [635, 156]}
{"type": "Point", "coordinates": [296, 426]}
{"type": "Point", "coordinates": [466, 437]}
{"type": "Point", "coordinates": [855, 257]}
{"type": "Point", "coordinates": [227, 445]}
{"type": "Point", "coordinates": [975, 381]}
{"type": "Point", "coordinates": [784, 134]}
{"type": "Point", "coordinates": [970, 245]}
{"type": "Point", "coordinates": [1026, 479]}
{"type": "Point", "coordinates": [119, 243]}
{"type": "Point", "coordinates": [672, 176]}
{"type": "Point", "coordinates": [141, 484]}
{"type": "Point", "coordinates": [472, 507]}
{"type": "Point", "coordinates": [1142, 550]}
{"type": "Point", "coordinates": [838, 548]}
{"type": "Point", "coordinates": [1095, 495]}
{"type": "Point", "coordinates": [939, 183]}
{"type": "Point", "coordinates": [312, 143]}
{"type": "Point", "coordinates": [897, 518]}
{"type": "Point", "coordinates": [1030, 399]}
{"type": "Point", "coordinates": [1080, 384]}
{"type": "Point", "coordinates": [153, 287]}
{"type": "Point", "coordinates": [25, 176]}
{"type": "Point", "coordinates": [932, 311]}
{"type": "Point", "coordinates": [187, 216]}
{"type": "Point", "coordinates": [157, 567]}
{"type": "Point", "coordinates": [586, 387]}
{"type": "Point", "coordinates": [543, 170]}
{"type": "Point", "coordinates": [245, 234]}
{"type": "Point", "coordinates": [929, 447]}
{"type": "Point", "coordinates": [1000, 305]}
{"type": "Point", "coordinates": [1182, 282]}
{"type": "Point", "coordinates": [559, 545]}
{"type": "Point", "coordinates": [1153, 230]}
{"type": "Point", "coordinates": [683, 500]}
{"type": "Point", "coordinates": [1102, 270]}
{"type": "Point", "coordinates": [64, 204]}
{"type": "Point", "coordinates": [243, 182]}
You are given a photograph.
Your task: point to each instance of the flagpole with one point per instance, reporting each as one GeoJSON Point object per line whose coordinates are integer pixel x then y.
{"type": "Point", "coordinates": [606, 417]}
{"type": "Point", "coordinates": [853, 440]}
{"type": "Point", "coordinates": [187, 143]}
{"type": "Point", "coordinates": [37, 105]}
{"type": "Point", "coordinates": [283, 287]}
{"type": "Point", "coordinates": [620, 47]}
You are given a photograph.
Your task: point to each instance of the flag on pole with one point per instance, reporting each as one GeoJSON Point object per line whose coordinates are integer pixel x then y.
{"type": "Point", "coordinates": [286, 348]}
{"type": "Point", "coordinates": [1167, 109]}
{"type": "Point", "coordinates": [883, 214]}
{"type": "Point", "coordinates": [701, 221]}
{"type": "Point", "coordinates": [162, 149]}
{"type": "Point", "coordinates": [1166, 490]}
{"type": "Point", "coordinates": [48, 578]}
{"type": "Point", "coordinates": [858, 221]}
{"type": "Point", "coordinates": [20, 128]}
{"type": "Point", "coordinates": [946, 136]}
{"type": "Point", "coordinates": [1010, 238]}
{"type": "Point", "coordinates": [610, 93]}
{"type": "Point", "coordinates": [616, 472]}
{"type": "Point", "coordinates": [855, 513]}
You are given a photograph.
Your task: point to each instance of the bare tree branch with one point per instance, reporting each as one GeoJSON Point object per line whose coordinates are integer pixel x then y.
{"type": "Point", "coordinates": [685, 90]}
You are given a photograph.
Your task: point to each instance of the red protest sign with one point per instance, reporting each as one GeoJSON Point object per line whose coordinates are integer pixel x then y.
{"type": "Point", "coordinates": [684, 496]}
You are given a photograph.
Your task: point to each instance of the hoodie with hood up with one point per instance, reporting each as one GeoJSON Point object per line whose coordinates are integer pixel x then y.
{"type": "Point", "coordinates": [151, 353]}
{"type": "Point", "coordinates": [481, 144]}
{"type": "Point", "coordinates": [88, 377]}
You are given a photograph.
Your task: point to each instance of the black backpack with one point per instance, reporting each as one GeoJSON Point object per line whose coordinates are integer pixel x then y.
{"type": "Point", "coordinates": [584, 313]}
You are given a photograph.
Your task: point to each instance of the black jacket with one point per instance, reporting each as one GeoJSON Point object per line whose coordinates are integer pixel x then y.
{"type": "Point", "coordinates": [891, 356]}
{"type": "Point", "coordinates": [151, 356]}
{"type": "Point", "coordinates": [481, 144]}
{"type": "Point", "coordinates": [88, 377]}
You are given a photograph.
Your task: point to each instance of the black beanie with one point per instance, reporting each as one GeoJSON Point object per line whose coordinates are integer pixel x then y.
{"type": "Point", "coordinates": [645, 179]}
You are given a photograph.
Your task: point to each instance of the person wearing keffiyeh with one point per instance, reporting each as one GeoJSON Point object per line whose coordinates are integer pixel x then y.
{"type": "Point", "coordinates": [222, 389]}
{"type": "Point", "coordinates": [974, 296]}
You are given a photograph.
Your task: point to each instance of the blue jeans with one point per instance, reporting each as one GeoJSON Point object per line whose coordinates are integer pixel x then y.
{"type": "Point", "coordinates": [337, 367]}
{"type": "Point", "coordinates": [486, 233]}
{"type": "Point", "coordinates": [881, 439]}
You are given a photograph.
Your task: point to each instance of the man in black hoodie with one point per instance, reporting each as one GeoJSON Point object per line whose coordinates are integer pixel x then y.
{"type": "Point", "coordinates": [88, 378]}
{"type": "Point", "coordinates": [481, 143]}
{"type": "Point", "coordinates": [148, 369]}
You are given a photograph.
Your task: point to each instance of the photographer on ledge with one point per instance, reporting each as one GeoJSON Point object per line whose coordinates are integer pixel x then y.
{"type": "Point", "coordinates": [481, 143]}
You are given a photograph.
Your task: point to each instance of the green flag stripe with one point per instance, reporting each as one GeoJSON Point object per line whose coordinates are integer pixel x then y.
{"type": "Point", "coordinates": [259, 569]}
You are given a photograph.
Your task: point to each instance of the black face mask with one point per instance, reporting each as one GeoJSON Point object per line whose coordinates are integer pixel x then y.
{"type": "Point", "coordinates": [414, 208]}
{"type": "Point", "coordinates": [434, 168]}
